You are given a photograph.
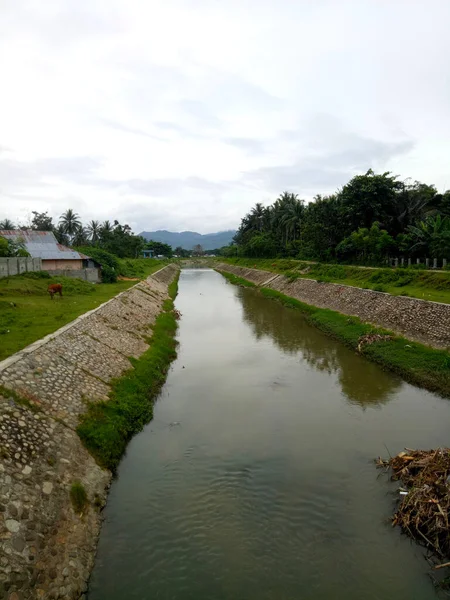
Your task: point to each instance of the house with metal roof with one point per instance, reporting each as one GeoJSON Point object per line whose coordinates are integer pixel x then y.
{"type": "Point", "coordinates": [54, 256]}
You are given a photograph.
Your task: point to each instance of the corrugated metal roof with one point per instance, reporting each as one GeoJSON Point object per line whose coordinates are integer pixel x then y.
{"type": "Point", "coordinates": [42, 244]}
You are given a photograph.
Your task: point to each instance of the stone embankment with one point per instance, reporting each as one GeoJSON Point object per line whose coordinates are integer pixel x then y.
{"type": "Point", "coordinates": [47, 549]}
{"type": "Point", "coordinates": [419, 320]}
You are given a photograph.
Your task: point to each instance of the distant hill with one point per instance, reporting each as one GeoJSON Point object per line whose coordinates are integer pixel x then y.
{"type": "Point", "coordinates": [188, 239]}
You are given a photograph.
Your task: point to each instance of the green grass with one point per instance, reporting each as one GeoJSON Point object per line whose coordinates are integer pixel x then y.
{"type": "Point", "coordinates": [237, 280]}
{"type": "Point", "coordinates": [78, 497]}
{"type": "Point", "coordinates": [412, 282]}
{"type": "Point", "coordinates": [107, 427]}
{"type": "Point", "coordinates": [27, 313]}
{"type": "Point", "coordinates": [140, 267]}
{"type": "Point", "coordinates": [416, 363]}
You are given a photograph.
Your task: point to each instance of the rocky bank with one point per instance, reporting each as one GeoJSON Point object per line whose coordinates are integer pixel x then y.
{"type": "Point", "coordinates": [47, 548]}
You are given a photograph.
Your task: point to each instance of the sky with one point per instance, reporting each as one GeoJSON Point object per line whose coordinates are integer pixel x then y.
{"type": "Point", "coordinates": [182, 114]}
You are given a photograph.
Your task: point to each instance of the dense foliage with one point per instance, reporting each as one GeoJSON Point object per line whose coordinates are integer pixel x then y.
{"type": "Point", "coordinates": [372, 217]}
{"type": "Point", "coordinates": [115, 238]}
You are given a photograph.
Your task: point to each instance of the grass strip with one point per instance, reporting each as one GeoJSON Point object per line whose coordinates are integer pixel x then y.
{"type": "Point", "coordinates": [237, 280]}
{"type": "Point", "coordinates": [106, 427]}
{"type": "Point", "coordinates": [418, 364]}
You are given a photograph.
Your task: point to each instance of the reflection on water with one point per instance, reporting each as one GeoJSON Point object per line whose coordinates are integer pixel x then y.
{"type": "Point", "coordinates": [266, 489]}
{"type": "Point", "coordinates": [362, 382]}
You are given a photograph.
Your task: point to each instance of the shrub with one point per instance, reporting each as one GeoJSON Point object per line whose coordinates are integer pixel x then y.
{"type": "Point", "coordinates": [78, 497]}
{"type": "Point", "coordinates": [109, 275]}
{"type": "Point", "coordinates": [36, 275]}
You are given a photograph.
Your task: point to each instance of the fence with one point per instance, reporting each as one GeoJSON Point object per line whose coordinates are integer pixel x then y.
{"type": "Point", "coordinates": [427, 262]}
{"type": "Point", "coordinates": [17, 265]}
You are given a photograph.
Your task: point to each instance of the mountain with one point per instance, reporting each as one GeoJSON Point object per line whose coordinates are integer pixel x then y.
{"type": "Point", "coordinates": [189, 239]}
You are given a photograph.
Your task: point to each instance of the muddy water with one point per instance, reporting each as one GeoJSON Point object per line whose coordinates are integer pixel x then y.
{"type": "Point", "coordinates": [255, 479]}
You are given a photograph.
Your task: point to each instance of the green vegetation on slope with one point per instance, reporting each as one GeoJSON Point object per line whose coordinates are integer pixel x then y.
{"type": "Point", "coordinates": [416, 283]}
{"type": "Point", "coordinates": [418, 364]}
{"type": "Point", "coordinates": [27, 313]}
{"type": "Point", "coordinates": [237, 280]}
{"type": "Point", "coordinates": [107, 426]}
{"type": "Point", "coordinates": [114, 267]}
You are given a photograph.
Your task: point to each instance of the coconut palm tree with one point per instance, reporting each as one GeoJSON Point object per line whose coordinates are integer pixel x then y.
{"type": "Point", "coordinates": [80, 237]}
{"type": "Point", "coordinates": [6, 224]}
{"type": "Point", "coordinates": [61, 235]}
{"type": "Point", "coordinates": [70, 220]}
{"type": "Point", "coordinates": [292, 217]}
{"type": "Point", "coordinates": [433, 235]}
{"type": "Point", "coordinates": [257, 216]}
{"type": "Point", "coordinates": [93, 230]}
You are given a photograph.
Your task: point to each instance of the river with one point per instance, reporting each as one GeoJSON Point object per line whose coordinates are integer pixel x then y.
{"type": "Point", "coordinates": [255, 480]}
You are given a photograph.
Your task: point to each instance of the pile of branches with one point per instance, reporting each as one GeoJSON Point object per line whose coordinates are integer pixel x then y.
{"type": "Point", "coordinates": [423, 511]}
{"type": "Point", "coordinates": [370, 338]}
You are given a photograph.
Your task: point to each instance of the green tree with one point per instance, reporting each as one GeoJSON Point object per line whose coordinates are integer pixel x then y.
{"type": "Point", "coordinates": [41, 221]}
{"type": "Point", "coordinates": [70, 221]}
{"type": "Point", "coordinates": [367, 199]}
{"type": "Point", "coordinates": [10, 247]}
{"type": "Point", "coordinates": [60, 234]}
{"type": "Point", "coordinates": [367, 245]}
{"type": "Point", "coordinates": [80, 236]}
{"type": "Point", "coordinates": [431, 237]}
{"type": "Point", "coordinates": [159, 248]}
{"type": "Point", "coordinates": [179, 251]}
{"type": "Point", "coordinates": [6, 224]}
{"type": "Point", "coordinates": [94, 231]}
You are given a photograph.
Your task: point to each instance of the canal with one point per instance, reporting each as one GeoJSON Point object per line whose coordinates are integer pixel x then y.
{"type": "Point", "coordinates": [255, 480]}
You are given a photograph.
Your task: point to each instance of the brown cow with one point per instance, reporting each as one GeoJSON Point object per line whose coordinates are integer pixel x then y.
{"type": "Point", "coordinates": [54, 288]}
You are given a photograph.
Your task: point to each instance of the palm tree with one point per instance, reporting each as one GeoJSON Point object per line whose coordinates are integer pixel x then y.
{"type": "Point", "coordinates": [292, 217]}
{"type": "Point", "coordinates": [282, 213]}
{"type": "Point", "coordinates": [93, 229]}
{"type": "Point", "coordinates": [61, 235]}
{"type": "Point", "coordinates": [6, 224]}
{"type": "Point", "coordinates": [70, 220]}
{"type": "Point", "coordinates": [433, 235]}
{"type": "Point", "coordinates": [257, 216]}
{"type": "Point", "coordinates": [106, 228]}
{"type": "Point", "coordinates": [80, 237]}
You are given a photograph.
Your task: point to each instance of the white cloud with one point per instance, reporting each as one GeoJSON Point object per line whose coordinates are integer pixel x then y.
{"type": "Point", "coordinates": [181, 114]}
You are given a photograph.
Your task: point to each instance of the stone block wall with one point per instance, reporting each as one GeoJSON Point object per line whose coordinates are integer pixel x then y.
{"type": "Point", "coordinates": [420, 320]}
{"type": "Point", "coordinates": [90, 274]}
{"type": "Point", "coordinates": [16, 265]}
{"type": "Point", "coordinates": [46, 549]}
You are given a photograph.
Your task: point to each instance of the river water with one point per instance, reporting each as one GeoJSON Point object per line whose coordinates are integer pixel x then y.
{"type": "Point", "coordinates": [255, 480]}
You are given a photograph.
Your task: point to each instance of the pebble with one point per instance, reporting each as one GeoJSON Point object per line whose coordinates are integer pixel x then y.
{"type": "Point", "coordinates": [47, 487]}
{"type": "Point", "coordinates": [12, 525]}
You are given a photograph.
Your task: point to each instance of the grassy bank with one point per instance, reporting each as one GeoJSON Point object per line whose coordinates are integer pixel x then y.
{"type": "Point", "coordinates": [237, 280]}
{"type": "Point", "coordinates": [416, 363]}
{"type": "Point", "coordinates": [27, 313]}
{"type": "Point", "coordinates": [140, 268]}
{"type": "Point", "coordinates": [107, 427]}
{"type": "Point", "coordinates": [425, 285]}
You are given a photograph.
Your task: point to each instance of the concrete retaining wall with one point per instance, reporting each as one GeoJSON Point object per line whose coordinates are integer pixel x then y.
{"type": "Point", "coordinates": [420, 320]}
{"type": "Point", "coordinates": [16, 265]}
{"type": "Point", "coordinates": [88, 274]}
{"type": "Point", "coordinates": [46, 550]}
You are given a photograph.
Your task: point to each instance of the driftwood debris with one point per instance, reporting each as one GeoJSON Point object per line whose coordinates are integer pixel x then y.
{"type": "Point", "coordinates": [424, 505]}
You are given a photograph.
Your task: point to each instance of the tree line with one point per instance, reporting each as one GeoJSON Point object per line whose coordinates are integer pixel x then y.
{"type": "Point", "coordinates": [112, 237]}
{"type": "Point", "coordinates": [94, 238]}
{"type": "Point", "coordinates": [372, 217]}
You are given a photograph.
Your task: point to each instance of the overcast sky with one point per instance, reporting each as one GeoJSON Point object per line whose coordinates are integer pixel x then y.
{"type": "Point", "coordinates": [181, 114]}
